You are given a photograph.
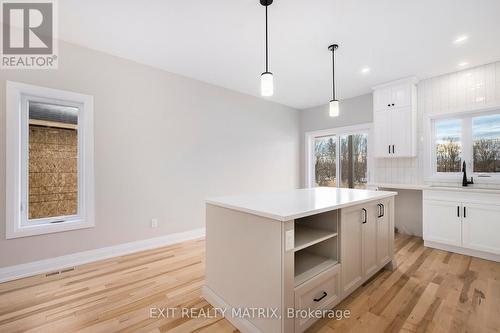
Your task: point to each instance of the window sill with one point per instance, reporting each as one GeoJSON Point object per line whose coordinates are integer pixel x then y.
{"type": "Point", "coordinates": [41, 229]}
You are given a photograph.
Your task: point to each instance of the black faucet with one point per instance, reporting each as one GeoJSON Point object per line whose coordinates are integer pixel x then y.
{"type": "Point", "coordinates": [465, 182]}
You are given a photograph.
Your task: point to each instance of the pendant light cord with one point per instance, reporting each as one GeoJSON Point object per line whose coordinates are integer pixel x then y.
{"type": "Point", "coordinates": [333, 74]}
{"type": "Point", "coordinates": [266, 44]}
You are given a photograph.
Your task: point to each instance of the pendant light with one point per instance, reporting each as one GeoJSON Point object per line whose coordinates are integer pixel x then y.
{"type": "Point", "coordinates": [334, 103]}
{"type": "Point", "coordinates": [266, 78]}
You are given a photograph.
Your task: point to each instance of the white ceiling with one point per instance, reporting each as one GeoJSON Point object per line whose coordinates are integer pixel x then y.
{"type": "Point", "coordinates": [222, 41]}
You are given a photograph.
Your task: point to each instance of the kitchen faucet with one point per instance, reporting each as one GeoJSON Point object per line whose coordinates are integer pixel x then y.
{"type": "Point", "coordinates": [465, 182]}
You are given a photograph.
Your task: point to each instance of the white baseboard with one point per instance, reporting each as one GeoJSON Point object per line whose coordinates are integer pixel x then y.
{"type": "Point", "coordinates": [242, 324]}
{"type": "Point", "coordinates": [461, 250]}
{"type": "Point", "coordinates": [54, 264]}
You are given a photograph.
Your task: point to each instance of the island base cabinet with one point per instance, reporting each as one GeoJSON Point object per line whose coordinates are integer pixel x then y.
{"type": "Point", "coordinates": [385, 234]}
{"type": "Point", "coordinates": [367, 236]}
{"type": "Point", "coordinates": [351, 248]}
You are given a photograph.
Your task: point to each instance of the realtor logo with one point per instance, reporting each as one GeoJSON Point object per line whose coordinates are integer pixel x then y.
{"type": "Point", "coordinates": [28, 35]}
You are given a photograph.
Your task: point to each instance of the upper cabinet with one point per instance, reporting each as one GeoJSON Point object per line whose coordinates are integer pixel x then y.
{"type": "Point", "coordinates": [395, 113]}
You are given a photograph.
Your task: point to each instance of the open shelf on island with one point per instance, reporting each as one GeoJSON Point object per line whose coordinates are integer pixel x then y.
{"type": "Point", "coordinates": [306, 236]}
{"type": "Point", "coordinates": [307, 265]}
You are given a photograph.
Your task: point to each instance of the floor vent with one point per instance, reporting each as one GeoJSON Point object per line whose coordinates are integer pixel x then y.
{"type": "Point", "coordinates": [60, 271]}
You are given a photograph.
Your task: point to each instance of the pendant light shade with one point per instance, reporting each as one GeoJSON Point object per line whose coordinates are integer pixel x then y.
{"type": "Point", "coordinates": [266, 78]}
{"type": "Point", "coordinates": [266, 84]}
{"type": "Point", "coordinates": [334, 103]}
{"type": "Point", "coordinates": [334, 108]}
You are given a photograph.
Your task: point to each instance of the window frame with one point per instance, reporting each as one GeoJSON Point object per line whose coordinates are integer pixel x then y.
{"type": "Point", "coordinates": [310, 160]}
{"type": "Point", "coordinates": [17, 97]}
{"type": "Point", "coordinates": [431, 173]}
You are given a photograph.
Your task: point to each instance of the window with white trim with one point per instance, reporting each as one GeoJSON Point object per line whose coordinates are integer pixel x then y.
{"type": "Point", "coordinates": [474, 139]}
{"type": "Point", "coordinates": [338, 157]}
{"type": "Point", "coordinates": [50, 160]}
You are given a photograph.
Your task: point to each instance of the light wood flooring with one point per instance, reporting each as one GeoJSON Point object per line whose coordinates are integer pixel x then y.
{"type": "Point", "coordinates": [431, 291]}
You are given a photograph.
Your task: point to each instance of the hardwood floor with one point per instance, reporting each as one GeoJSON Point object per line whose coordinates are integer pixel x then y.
{"type": "Point", "coordinates": [431, 291]}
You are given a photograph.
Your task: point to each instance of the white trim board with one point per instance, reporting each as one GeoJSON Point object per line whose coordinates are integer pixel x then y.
{"type": "Point", "coordinates": [58, 263]}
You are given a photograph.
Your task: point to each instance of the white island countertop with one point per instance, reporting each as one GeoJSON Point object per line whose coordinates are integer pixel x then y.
{"type": "Point", "coordinates": [294, 204]}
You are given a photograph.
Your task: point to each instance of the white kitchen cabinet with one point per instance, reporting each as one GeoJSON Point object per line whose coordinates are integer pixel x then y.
{"type": "Point", "coordinates": [463, 221]}
{"type": "Point", "coordinates": [392, 95]}
{"type": "Point", "coordinates": [442, 222]}
{"type": "Point", "coordinates": [401, 95]}
{"type": "Point", "coordinates": [394, 119]}
{"type": "Point", "coordinates": [382, 134]}
{"type": "Point", "coordinates": [481, 227]}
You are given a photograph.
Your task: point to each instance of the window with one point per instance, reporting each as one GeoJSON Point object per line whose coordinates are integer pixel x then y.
{"type": "Point", "coordinates": [325, 166]}
{"type": "Point", "coordinates": [474, 139]}
{"type": "Point", "coordinates": [486, 143]}
{"type": "Point", "coordinates": [340, 153]}
{"type": "Point", "coordinates": [354, 160]}
{"type": "Point", "coordinates": [50, 160]}
{"type": "Point", "coordinates": [448, 145]}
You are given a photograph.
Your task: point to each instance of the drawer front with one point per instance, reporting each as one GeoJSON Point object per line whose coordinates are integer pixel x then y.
{"type": "Point", "coordinates": [320, 292]}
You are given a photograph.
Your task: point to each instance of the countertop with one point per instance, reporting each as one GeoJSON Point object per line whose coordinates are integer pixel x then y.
{"type": "Point", "coordinates": [475, 188]}
{"type": "Point", "coordinates": [294, 204]}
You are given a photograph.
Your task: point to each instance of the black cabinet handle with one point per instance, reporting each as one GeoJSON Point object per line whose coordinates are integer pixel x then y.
{"type": "Point", "coordinates": [365, 215]}
{"type": "Point", "coordinates": [465, 211]}
{"type": "Point", "coordinates": [379, 210]}
{"type": "Point", "coordinates": [388, 104]}
{"type": "Point", "coordinates": [392, 104]}
{"type": "Point", "coordinates": [393, 149]}
{"type": "Point", "coordinates": [383, 209]}
{"type": "Point", "coordinates": [458, 211]}
{"type": "Point", "coordinates": [389, 149]}
{"type": "Point", "coordinates": [319, 299]}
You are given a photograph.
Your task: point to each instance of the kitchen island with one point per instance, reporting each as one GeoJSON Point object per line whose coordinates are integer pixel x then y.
{"type": "Point", "coordinates": [270, 256]}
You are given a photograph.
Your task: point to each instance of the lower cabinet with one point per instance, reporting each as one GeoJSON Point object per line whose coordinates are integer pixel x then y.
{"type": "Point", "coordinates": [320, 292]}
{"type": "Point", "coordinates": [367, 236]}
{"type": "Point", "coordinates": [442, 222]}
{"type": "Point", "coordinates": [481, 227]}
{"type": "Point", "coordinates": [351, 251]}
{"type": "Point", "coordinates": [462, 222]}
{"type": "Point", "coordinates": [385, 234]}
{"type": "Point", "coordinates": [369, 240]}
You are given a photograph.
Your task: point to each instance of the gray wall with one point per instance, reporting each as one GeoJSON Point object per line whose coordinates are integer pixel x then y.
{"type": "Point", "coordinates": [163, 143]}
{"type": "Point", "coordinates": [353, 111]}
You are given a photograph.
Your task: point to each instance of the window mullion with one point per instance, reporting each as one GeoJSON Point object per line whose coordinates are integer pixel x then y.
{"type": "Point", "coordinates": [337, 161]}
{"type": "Point", "coordinates": [467, 143]}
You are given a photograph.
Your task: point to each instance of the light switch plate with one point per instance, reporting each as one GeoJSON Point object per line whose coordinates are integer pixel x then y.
{"type": "Point", "coordinates": [289, 240]}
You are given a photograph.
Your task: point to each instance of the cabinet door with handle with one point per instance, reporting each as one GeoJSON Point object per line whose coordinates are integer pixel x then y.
{"type": "Point", "coordinates": [382, 98]}
{"type": "Point", "coordinates": [481, 227]}
{"type": "Point", "coordinates": [384, 239]}
{"type": "Point", "coordinates": [442, 222]}
{"type": "Point", "coordinates": [401, 95]}
{"type": "Point", "coordinates": [370, 263]}
{"type": "Point", "coordinates": [401, 125]}
{"type": "Point", "coordinates": [382, 133]}
{"type": "Point", "coordinates": [351, 230]}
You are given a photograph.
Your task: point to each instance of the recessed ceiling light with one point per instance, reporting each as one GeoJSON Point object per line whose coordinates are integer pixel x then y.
{"type": "Point", "coordinates": [463, 64]}
{"type": "Point", "coordinates": [460, 39]}
{"type": "Point", "coordinates": [365, 70]}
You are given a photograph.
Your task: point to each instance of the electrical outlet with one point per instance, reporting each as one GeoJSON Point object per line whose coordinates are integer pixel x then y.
{"type": "Point", "coordinates": [154, 223]}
